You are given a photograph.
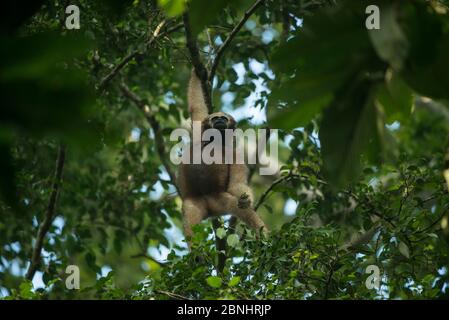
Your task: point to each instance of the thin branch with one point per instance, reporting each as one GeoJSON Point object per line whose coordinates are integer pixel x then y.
{"type": "Point", "coordinates": [220, 245]}
{"type": "Point", "coordinates": [175, 28]}
{"type": "Point", "coordinates": [432, 106]}
{"type": "Point", "coordinates": [433, 197]}
{"type": "Point", "coordinates": [230, 37]}
{"type": "Point", "coordinates": [329, 279]}
{"type": "Point", "coordinates": [147, 256]}
{"type": "Point", "coordinates": [172, 295]}
{"type": "Point", "coordinates": [211, 50]}
{"type": "Point", "coordinates": [134, 54]}
{"type": "Point", "coordinates": [143, 250]}
{"type": "Point", "coordinates": [199, 67]}
{"type": "Point", "coordinates": [159, 139]}
{"type": "Point", "coordinates": [49, 215]}
{"type": "Point", "coordinates": [227, 28]}
{"type": "Point", "coordinates": [133, 233]}
{"type": "Point", "coordinates": [271, 187]}
{"type": "Point", "coordinates": [430, 226]}
{"type": "Point", "coordinates": [372, 208]}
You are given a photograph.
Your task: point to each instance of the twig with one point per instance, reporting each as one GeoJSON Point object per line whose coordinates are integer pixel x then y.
{"type": "Point", "coordinates": [329, 279]}
{"type": "Point", "coordinates": [134, 54]}
{"type": "Point", "coordinates": [430, 226]}
{"type": "Point", "coordinates": [159, 139]}
{"type": "Point", "coordinates": [211, 43]}
{"type": "Point", "coordinates": [435, 196]}
{"type": "Point", "coordinates": [361, 239]}
{"type": "Point", "coordinates": [432, 106]}
{"type": "Point", "coordinates": [175, 28]}
{"type": "Point", "coordinates": [270, 188]}
{"type": "Point", "coordinates": [286, 25]}
{"type": "Point", "coordinates": [230, 37]}
{"type": "Point", "coordinates": [220, 245]}
{"type": "Point", "coordinates": [198, 66]}
{"type": "Point", "coordinates": [49, 215]}
{"type": "Point", "coordinates": [172, 295]}
{"type": "Point", "coordinates": [372, 208]}
{"type": "Point", "coordinates": [147, 256]}
{"type": "Point", "coordinates": [128, 58]}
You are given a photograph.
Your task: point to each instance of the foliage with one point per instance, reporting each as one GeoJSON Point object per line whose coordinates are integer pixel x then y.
{"type": "Point", "coordinates": [363, 122]}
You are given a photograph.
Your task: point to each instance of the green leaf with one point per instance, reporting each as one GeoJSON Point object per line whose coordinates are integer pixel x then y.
{"type": "Point", "coordinates": [395, 97]}
{"type": "Point", "coordinates": [91, 262]}
{"type": "Point", "coordinates": [389, 41]}
{"type": "Point", "coordinates": [231, 75]}
{"type": "Point", "coordinates": [173, 8]}
{"type": "Point", "coordinates": [350, 127]}
{"type": "Point", "coordinates": [432, 79]}
{"type": "Point", "coordinates": [234, 281]}
{"type": "Point", "coordinates": [26, 288]}
{"type": "Point", "coordinates": [404, 250]}
{"type": "Point", "coordinates": [221, 233]}
{"type": "Point", "coordinates": [427, 64]}
{"type": "Point", "coordinates": [205, 12]}
{"type": "Point", "coordinates": [309, 77]}
{"type": "Point", "coordinates": [297, 115]}
{"type": "Point", "coordinates": [58, 101]}
{"type": "Point", "coordinates": [232, 240]}
{"type": "Point", "coordinates": [214, 281]}
{"type": "Point", "coordinates": [317, 273]}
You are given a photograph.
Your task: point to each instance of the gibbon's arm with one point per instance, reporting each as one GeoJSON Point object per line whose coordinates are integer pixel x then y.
{"type": "Point", "coordinates": [197, 106]}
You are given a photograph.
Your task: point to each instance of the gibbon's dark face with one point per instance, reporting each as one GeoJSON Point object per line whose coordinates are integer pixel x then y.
{"type": "Point", "coordinates": [220, 121]}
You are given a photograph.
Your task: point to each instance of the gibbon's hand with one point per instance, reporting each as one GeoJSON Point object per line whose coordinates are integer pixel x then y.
{"type": "Point", "coordinates": [244, 201]}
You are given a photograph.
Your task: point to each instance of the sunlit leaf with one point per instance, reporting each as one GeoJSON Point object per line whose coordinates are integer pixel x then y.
{"type": "Point", "coordinates": [214, 281]}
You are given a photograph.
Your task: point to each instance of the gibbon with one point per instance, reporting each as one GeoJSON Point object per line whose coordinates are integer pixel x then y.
{"type": "Point", "coordinates": [210, 190]}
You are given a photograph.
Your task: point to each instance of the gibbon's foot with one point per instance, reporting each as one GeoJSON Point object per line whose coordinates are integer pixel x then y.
{"type": "Point", "coordinates": [244, 201]}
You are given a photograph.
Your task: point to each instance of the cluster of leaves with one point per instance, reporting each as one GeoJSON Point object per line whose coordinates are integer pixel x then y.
{"type": "Point", "coordinates": [394, 218]}
{"type": "Point", "coordinates": [360, 78]}
{"type": "Point", "coordinates": [338, 84]}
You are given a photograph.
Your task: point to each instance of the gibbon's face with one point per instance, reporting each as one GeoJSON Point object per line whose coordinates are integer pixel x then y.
{"type": "Point", "coordinates": [220, 121]}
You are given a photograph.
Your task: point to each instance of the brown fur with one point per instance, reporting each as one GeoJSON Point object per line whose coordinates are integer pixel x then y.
{"type": "Point", "coordinates": [214, 189]}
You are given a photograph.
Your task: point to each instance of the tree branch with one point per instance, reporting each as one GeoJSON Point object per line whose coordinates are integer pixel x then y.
{"type": "Point", "coordinates": [432, 106]}
{"type": "Point", "coordinates": [329, 279]}
{"type": "Point", "coordinates": [49, 215]}
{"type": "Point", "coordinates": [154, 124]}
{"type": "Point", "coordinates": [286, 25]}
{"type": "Point", "coordinates": [220, 245]}
{"type": "Point", "coordinates": [172, 295]}
{"type": "Point", "coordinates": [271, 187]}
{"type": "Point", "coordinates": [198, 66]}
{"type": "Point", "coordinates": [134, 54]}
{"type": "Point", "coordinates": [147, 256]}
{"type": "Point", "coordinates": [230, 37]}
{"type": "Point", "coordinates": [206, 85]}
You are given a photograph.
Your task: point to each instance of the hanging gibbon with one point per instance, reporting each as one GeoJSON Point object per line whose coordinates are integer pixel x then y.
{"type": "Point", "coordinates": [211, 190]}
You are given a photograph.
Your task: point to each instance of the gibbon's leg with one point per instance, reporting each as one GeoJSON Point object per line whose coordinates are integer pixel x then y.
{"type": "Point", "coordinates": [238, 185]}
{"type": "Point", "coordinates": [194, 210]}
{"type": "Point", "coordinates": [225, 202]}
